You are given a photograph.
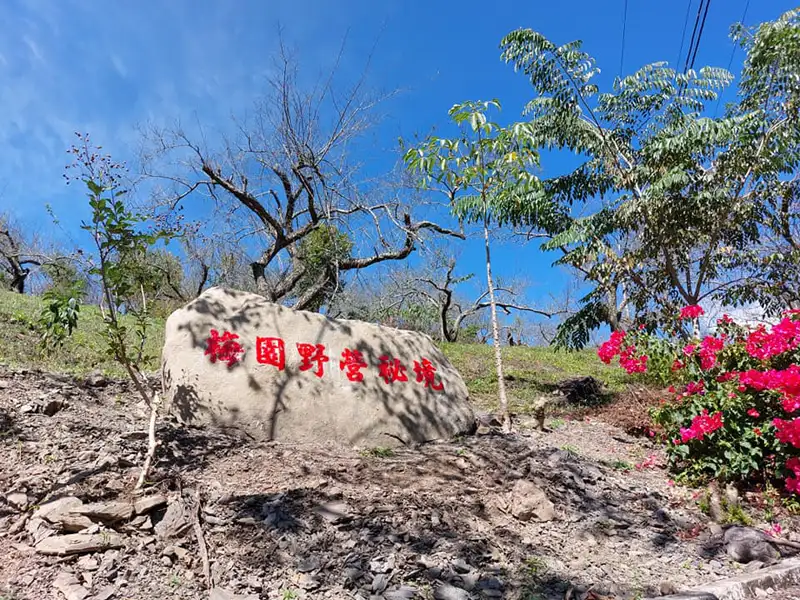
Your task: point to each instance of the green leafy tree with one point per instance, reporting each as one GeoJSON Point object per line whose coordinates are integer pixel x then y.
{"type": "Point", "coordinates": [120, 243]}
{"type": "Point", "coordinates": [485, 171]}
{"type": "Point", "coordinates": [667, 203]}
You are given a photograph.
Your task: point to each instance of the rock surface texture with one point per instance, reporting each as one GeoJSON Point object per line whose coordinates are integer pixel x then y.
{"type": "Point", "coordinates": [300, 376]}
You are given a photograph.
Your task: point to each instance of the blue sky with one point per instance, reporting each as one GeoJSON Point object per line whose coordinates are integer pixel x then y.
{"type": "Point", "coordinates": [107, 67]}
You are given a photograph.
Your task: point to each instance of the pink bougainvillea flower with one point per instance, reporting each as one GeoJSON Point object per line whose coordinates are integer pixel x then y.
{"type": "Point", "coordinates": [677, 365]}
{"type": "Point", "coordinates": [783, 336]}
{"type": "Point", "coordinates": [702, 425]}
{"type": "Point", "coordinates": [709, 348]}
{"type": "Point", "coordinates": [757, 431]}
{"type": "Point", "coordinates": [689, 350]}
{"type": "Point", "coordinates": [724, 319]}
{"type": "Point", "coordinates": [692, 311]}
{"type": "Point", "coordinates": [787, 432]}
{"type": "Point", "coordinates": [753, 413]}
{"type": "Point", "coordinates": [671, 389]}
{"type": "Point", "coordinates": [695, 387]}
{"type": "Point", "coordinates": [631, 363]}
{"type": "Point", "coordinates": [610, 348]}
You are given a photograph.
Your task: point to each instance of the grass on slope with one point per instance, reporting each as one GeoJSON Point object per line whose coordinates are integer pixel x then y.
{"type": "Point", "coordinates": [529, 370]}
{"type": "Point", "coordinates": [83, 353]}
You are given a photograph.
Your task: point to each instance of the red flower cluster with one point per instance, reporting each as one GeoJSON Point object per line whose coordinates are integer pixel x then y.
{"type": "Point", "coordinates": [702, 425]}
{"type": "Point", "coordinates": [786, 381]}
{"type": "Point", "coordinates": [784, 336]}
{"type": "Point", "coordinates": [609, 349]}
{"type": "Point", "coordinates": [695, 387]}
{"type": "Point", "coordinates": [708, 351]}
{"type": "Point", "coordinates": [692, 311]}
{"type": "Point", "coordinates": [223, 348]}
{"type": "Point", "coordinates": [753, 413]}
{"type": "Point", "coordinates": [627, 359]}
{"type": "Point", "coordinates": [787, 432]}
{"type": "Point", "coordinates": [630, 363]}
{"type": "Point", "coordinates": [793, 483]}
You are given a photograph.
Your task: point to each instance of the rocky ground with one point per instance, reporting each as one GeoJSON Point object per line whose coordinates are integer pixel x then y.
{"type": "Point", "coordinates": [582, 510]}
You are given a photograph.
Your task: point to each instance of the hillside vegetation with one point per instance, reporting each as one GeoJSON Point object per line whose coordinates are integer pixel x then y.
{"type": "Point", "coordinates": [530, 371]}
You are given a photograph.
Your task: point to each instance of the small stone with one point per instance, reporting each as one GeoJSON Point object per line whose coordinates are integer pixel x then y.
{"type": "Point", "coordinates": [529, 502]}
{"type": "Point", "coordinates": [166, 561]}
{"type": "Point", "coordinates": [308, 582]}
{"type": "Point", "coordinates": [308, 564]}
{"type": "Point", "coordinates": [18, 500]}
{"type": "Point", "coordinates": [88, 563]}
{"type": "Point", "coordinates": [69, 586]}
{"type": "Point", "coordinates": [53, 406]}
{"type": "Point", "coordinates": [379, 583]}
{"type": "Point", "coordinates": [461, 566]}
{"type": "Point", "coordinates": [223, 594]}
{"type": "Point", "coordinates": [445, 591]}
{"type": "Point", "coordinates": [404, 592]}
{"type": "Point", "coordinates": [76, 543]}
{"type": "Point", "coordinates": [761, 593]}
{"type": "Point", "coordinates": [334, 512]}
{"type": "Point", "coordinates": [27, 408]}
{"type": "Point", "coordinates": [148, 503]}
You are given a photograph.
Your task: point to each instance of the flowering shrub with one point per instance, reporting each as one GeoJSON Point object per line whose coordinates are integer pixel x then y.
{"type": "Point", "coordinates": [734, 407]}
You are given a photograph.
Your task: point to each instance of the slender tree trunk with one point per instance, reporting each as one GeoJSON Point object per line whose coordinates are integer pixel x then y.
{"type": "Point", "coordinates": [498, 357]}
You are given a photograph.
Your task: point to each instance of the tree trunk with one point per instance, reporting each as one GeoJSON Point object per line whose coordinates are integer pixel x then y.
{"type": "Point", "coordinates": [498, 356]}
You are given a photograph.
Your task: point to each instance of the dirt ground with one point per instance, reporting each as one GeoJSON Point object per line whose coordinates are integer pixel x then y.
{"type": "Point", "coordinates": [444, 520]}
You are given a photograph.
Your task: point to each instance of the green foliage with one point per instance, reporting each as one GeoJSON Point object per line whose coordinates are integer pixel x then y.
{"type": "Point", "coordinates": [667, 206]}
{"type": "Point", "coordinates": [378, 452]}
{"type": "Point", "coordinates": [319, 254]}
{"type": "Point", "coordinates": [59, 317]}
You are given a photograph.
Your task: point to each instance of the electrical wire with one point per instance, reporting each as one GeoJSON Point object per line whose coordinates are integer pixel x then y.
{"type": "Point", "coordinates": [699, 35]}
{"type": "Point", "coordinates": [624, 27]}
{"type": "Point", "coordinates": [683, 35]}
{"type": "Point", "coordinates": [694, 33]}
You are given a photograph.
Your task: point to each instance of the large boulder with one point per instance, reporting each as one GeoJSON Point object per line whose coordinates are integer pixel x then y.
{"type": "Point", "coordinates": [233, 358]}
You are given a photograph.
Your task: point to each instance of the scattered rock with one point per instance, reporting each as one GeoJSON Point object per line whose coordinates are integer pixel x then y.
{"type": "Point", "coordinates": [222, 594]}
{"type": "Point", "coordinates": [69, 586]}
{"type": "Point", "coordinates": [174, 522]}
{"type": "Point", "coordinates": [53, 406]}
{"type": "Point", "coordinates": [529, 502]}
{"type": "Point", "coordinates": [96, 379]}
{"type": "Point", "coordinates": [107, 512]}
{"type": "Point", "coordinates": [148, 503]}
{"type": "Point", "coordinates": [18, 500]}
{"type": "Point", "coordinates": [334, 512]}
{"type": "Point", "coordinates": [77, 543]}
{"type": "Point", "coordinates": [446, 591]}
{"type": "Point", "coordinates": [50, 511]}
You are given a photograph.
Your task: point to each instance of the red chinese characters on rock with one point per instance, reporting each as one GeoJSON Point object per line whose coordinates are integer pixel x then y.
{"type": "Point", "coordinates": [353, 361]}
{"type": "Point", "coordinates": [391, 369]}
{"type": "Point", "coordinates": [426, 373]}
{"type": "Point", "coordinates": [223, 348]}
{"type": "Point", "coordinates": [311, 354]}
{"type": "Point", "coordinates": [271, 351]}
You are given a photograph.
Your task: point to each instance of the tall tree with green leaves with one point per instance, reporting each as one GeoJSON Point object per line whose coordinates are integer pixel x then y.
{"type": "Point", "coordinates": [485, 172]}
{"type": "Point", "coordinates": [666, 206]}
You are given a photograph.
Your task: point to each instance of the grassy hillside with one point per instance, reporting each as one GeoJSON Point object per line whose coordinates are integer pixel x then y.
{"type": "Point", "coordinates": [529, 371]}
{"type": "Point", "coordinates": [84, 352]}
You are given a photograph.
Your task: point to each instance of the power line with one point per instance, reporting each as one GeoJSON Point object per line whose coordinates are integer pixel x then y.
{"type": "Point", "coordinates": [700, 34]}
{"type": "Point", "coordinates": [733, 52]}
{"type": "Point", "coordinates": [683, 35]}
{"type": "Point", "coordinates": [624, 26]}
{"type": "Point", "coordinates": [692, 40]}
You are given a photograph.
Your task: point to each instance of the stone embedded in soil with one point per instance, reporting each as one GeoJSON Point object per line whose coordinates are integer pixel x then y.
{"type": "Point", "coordinates": [108, 512]}
{"type": "Point", "coordinates": [78, 543]}
{"type": "Point", "coordinates": [18, 500]}
{"type": "Point", "coordinates": [446, 591]}
{"type": "Point", "coordinates": [528, 502]}
{"type": "Point", "coordinates": [148, 503]}
{"type": "Point", "coordinates": [223, 594]}
{"type": "Point", "coordinates": [69, 586]}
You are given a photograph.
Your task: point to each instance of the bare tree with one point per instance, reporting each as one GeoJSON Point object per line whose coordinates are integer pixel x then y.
{"type": "Point", "coordinates": [25, 257]}
{"type": "Point", "coordinates": [287, 174]}
{"type": "Point", "coordinates": [453, 311]}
